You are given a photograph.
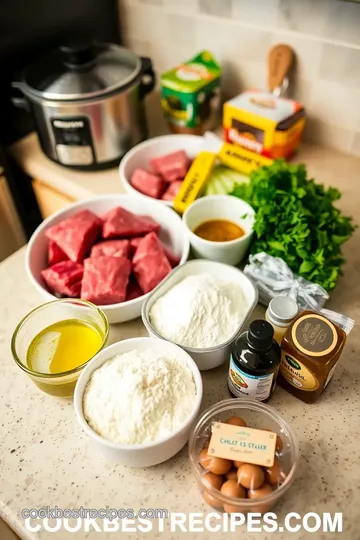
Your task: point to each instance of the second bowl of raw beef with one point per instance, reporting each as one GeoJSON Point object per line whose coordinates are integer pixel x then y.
{"type": "Point", "coordinates": [155, 169]}
{"type": "Point", "coordinates": [110, 250]}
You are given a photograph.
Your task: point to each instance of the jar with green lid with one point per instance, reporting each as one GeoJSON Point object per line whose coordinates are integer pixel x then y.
{"type": "Point", "coordinates": [281, 311]}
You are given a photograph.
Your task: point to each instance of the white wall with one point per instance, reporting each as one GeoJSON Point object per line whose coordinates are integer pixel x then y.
{"type": "Point", "coordinates": [324, 33]}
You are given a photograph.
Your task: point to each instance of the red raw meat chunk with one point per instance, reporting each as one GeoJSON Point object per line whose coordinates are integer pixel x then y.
{"type": "Point", "coordinates": [150, 184]}
{"type": "Point", "coordinates": [133, 245]}
{"type": "Point", "coordinates": [105, 280]}
{"type": "Point", "coordinates": [170, 255]}
{"type": "Point", "coordinates": [172, 191]}
{"type": "Point", "coordinates": [77, 234]}
{"type": "Point", "coordinates": [150, 264]}
{"type": "Point", "coordinates": [122, 223]}
{"type": "Point", "coordinates": [55, 254]}
{"type": "Point", "coordinates": [133, 290]}
{"type": "Point", "coordinates": [64, 278]}
{"type": "Point", "coordinates": [111, 248]}
{"type": "Point", "coordinates": [172, 166]}
{"type": "Point", "coordinates": [152, 223]}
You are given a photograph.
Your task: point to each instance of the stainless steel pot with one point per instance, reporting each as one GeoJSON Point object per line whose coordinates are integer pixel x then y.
{"type": "Point", "coordinates": [87, 103]}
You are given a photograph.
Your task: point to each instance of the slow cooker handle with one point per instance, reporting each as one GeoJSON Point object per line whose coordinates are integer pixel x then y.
{"type": "Point", "coordinates": [148, 77]}
{"type": "Point", "coordinates": [17, 96]}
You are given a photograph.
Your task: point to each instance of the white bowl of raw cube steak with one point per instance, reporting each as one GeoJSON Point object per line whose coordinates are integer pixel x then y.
{"type": "Point", "coordinates": [112, 251]}
{"type": "Point", "coordinates": [155, 169]}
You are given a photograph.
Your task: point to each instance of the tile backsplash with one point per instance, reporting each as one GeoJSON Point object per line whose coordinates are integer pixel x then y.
{"type": "Point", "coordinates": [325, 35]}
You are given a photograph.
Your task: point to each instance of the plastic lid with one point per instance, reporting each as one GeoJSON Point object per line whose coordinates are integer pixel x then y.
{"type": "Point", "coordinates": [282, 310]}
{"type": "Point", "coordinates": [81, 70]}
{"type": "Point", "coordinates": [260, 335]}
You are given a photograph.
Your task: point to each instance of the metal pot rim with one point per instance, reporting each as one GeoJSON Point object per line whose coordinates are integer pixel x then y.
{"type": "Point", "coordinates": [92, 99]}
{"type": "Point", "coordinates": [41, 96]}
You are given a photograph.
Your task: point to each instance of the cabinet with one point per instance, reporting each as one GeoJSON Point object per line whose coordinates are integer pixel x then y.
{"type": "Point", "coordinates": [49, 200]}
{"type": "Point", "coordinates": [12, 236]}
{"type": "Point", "coordinates": [6, 533]}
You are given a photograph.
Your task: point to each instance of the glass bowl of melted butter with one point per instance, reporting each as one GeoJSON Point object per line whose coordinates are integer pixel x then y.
{"type": "Point", "coordinates": [56, 340]}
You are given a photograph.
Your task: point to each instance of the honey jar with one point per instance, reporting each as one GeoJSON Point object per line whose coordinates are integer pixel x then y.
{"type": "Point", "coordinates": [311, 348]}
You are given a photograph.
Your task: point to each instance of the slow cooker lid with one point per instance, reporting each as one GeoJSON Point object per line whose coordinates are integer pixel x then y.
{"type": "Point", "coordinates": [79, 71]}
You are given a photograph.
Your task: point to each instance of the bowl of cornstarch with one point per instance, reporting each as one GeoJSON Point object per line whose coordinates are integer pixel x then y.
{"type": "Point", "coordinates": [201, 307]}
{"type": "Point", "coordinates": [138, 400]}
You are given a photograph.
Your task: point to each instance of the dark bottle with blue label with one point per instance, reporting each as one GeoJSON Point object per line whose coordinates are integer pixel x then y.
{"type": "Point", "coordinates": [254, 363]}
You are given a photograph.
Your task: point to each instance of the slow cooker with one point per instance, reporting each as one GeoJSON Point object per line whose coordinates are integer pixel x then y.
{"type": "Point", "coordinates": [87, 102]}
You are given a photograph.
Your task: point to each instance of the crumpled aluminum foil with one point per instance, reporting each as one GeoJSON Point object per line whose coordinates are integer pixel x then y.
{"type": "Point", "coordinates": [272, 277]}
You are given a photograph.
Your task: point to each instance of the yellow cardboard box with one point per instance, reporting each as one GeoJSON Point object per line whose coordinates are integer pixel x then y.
{"type": "Point", "coordinates": [263, 123]}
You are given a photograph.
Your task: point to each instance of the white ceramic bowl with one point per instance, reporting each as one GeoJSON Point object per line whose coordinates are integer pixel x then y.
{"type": "Point", "coordinates": [173, 234]}
{"type": "Point", "coordinates": [139, 455]}
{"type": "Point", "coordinates": [140, 156]}
{"type": "Point", "coordinates": [220, 207]}
{"type": "Point", "coordinates": [211, 357]}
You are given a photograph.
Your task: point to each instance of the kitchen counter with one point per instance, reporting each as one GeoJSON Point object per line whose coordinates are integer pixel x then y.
{"type": "Point", "coordinates": [330, 166]}
{"type": "Point", "coordinates": [73, 184]}
{"type": "Point", "coordinates": [47, 461]}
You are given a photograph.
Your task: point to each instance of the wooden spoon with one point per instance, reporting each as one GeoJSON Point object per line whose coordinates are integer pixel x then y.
{"type": "Point", "coordinates": [280, 60]}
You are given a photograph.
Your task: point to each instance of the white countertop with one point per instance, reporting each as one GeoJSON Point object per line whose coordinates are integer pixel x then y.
{"type": "Point", "coordinates": [46, 460]}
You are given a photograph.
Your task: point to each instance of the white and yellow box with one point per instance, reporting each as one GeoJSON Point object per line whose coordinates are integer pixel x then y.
{"type": "Point", "coordinates": [263, 123]}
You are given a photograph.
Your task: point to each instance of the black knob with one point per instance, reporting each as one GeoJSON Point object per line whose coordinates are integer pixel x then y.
{"type": "Point", "coordinates": [78, 53]}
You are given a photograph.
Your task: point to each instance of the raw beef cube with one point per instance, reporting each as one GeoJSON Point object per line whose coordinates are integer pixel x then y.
{"type": "Point", "coordinates": [172, 191]}
{"type": "Point", "coordinates": [133, 290]}
{"type": "Point", "coordinates": [150, 184]}
{"type": "Point", "coordinates": [172, 166]}
{"type": "Point", "coordinates": [133, 245]}
{"type": "Point", "coordinates": [150, 264]}
{"type": "Point", "coordinates": [111, 248]}
{"type": "Point", "coordinates": [55, 254]}
{"type": "Point", "coordinates": [64, 278]}
{"type": "Point", "coordinates": [77, 234]}
{"type": "Point", "coordinates": [152, 223]}
{"type": "Point", "coordinates": [122, 223]}
{"type": "Point", "coordinates": [105, 280]}
{"type": "Point", "coordinates": [170, 255]}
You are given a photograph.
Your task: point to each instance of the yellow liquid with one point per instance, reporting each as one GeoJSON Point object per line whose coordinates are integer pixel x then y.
{"type": "Point", "coordinates": [63, 346]}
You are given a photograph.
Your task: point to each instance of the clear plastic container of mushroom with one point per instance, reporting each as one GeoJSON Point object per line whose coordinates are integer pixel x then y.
{"type": "Point", "coordinates": [239, 479]}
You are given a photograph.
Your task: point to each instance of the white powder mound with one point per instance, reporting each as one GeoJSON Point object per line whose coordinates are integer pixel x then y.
{"type": "Point", "coordinates": [200, 311]}
{"type": "Point", "coordinates": [139, 396]}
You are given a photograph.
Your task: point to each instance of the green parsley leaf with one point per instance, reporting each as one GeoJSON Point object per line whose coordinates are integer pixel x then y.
{"type": "Point", "coordinates": [297, 221]}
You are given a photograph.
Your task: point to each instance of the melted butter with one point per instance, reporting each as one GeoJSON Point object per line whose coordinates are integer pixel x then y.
{"type": "Point", "coordinates": [63, 346]}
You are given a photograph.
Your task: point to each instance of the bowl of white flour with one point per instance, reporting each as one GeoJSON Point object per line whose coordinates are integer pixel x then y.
{"type": "Point", "coordinates": [201, 306]}
{"type": "Point", "coordinates": [138, 400]}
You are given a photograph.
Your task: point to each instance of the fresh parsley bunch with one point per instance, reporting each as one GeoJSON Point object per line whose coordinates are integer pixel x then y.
{"type": "Point", "coordinates": [297, 221]}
